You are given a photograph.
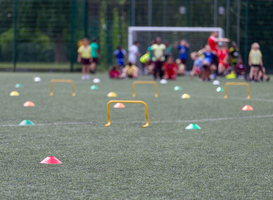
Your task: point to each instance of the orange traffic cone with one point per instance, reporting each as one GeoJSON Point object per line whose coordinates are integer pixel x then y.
{"type": "Point", "coordinates": [50, 160]}
{"type": "Point", "coordinates": [247, 107]}
{"type": "Point", "coordinates": [119, 105]}
{"type": "Point", "coordinates": [29, 104]}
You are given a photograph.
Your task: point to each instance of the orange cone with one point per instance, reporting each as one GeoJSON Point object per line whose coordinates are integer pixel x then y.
{"type": "Point", "coordinates": [50, 160]}
{"type": "Point", "coordinates": [29, 104]}
{"type": "Point", "coordinates": [247, 107]}
{"type": "Point", "coordinates": [119, 105]}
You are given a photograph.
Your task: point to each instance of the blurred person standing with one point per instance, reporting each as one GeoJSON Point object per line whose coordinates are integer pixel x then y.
{"type": "Point", "coordinates": [84, 56]}
{"type": "Point", "coordinates": [212, 42]}
{"type": "Point", "coordinates": [95, 54]}
{"type": "Point", "coordinates": [233, 55]}
{"type": "Point", "coordinates": [150, 64]}
{"type": "Point", "coordinates": [158, 50]}
{"type": "Point", "coordinates": [255, 60]}
{"type": "Point", "coordinates": [133, 53]}
{"type": "Point", "coordinates": [223, 59]}
{"type": "Point", "coordinates": [168, 51]}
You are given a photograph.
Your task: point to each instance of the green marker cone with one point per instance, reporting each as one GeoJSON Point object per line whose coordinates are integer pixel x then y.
{"type": "Point", "coordinates": [18, 85]}
{"type": "Point", "coordinates": [219, 89]}
{"type": "Point", "coordinates": [176, 88]}
{"type": "Point", "coordinates": [94, 87]}
{"type": "Point", "coordinates": [26, 122]}
{"type": "Point", "coordinates": [192, 126]}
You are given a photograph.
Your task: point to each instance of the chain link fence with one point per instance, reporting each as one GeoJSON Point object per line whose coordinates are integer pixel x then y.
{"type": "Point", "coordinates": [43, 34]}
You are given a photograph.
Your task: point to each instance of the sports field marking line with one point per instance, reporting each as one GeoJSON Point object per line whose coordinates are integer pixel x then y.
{"type": "Point", "coordinates": [151, 122]}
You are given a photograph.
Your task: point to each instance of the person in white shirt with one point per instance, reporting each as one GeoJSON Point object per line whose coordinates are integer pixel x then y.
{"type": "Point", "coordinates": [133, 53]}
{"type": "Point", "coordinates": [158, 50]}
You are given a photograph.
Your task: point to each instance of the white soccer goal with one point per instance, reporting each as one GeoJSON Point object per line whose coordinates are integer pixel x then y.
{"type": "Point", "coordinates": [195, 36]}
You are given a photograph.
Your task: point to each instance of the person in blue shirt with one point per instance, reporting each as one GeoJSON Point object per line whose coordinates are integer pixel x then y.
{"type": "Point", "coordinates": [208, 57]}
{"type": "Point", "coordinates": [207, 64]}
{"type": "Point", "coordinates": [183, 51]}
{"type": "Point", "coordinates": [120, 55]}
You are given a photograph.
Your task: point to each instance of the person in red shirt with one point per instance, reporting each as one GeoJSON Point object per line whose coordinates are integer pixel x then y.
{"type": "Point", "coordinates": [223, 59]}
{"type": "Point", "coordinates": [212, 42]}
{"type": "Point", "coordinates": [170, 69]}
{"type": "Point", "coordinates": [114, 73]}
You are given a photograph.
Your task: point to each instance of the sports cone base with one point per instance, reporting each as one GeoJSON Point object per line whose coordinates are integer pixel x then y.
{"type": "Point", "coordinates": [176, 88]}
{"type": "Point", "coordinates": [247, 107]}
{"type": "Point", "coordinates": [94, 87]}
{"type": "Point", "coordinates": [112, 94]}
{"type": "Point", "coordinates": [18, 85]}
{"type": "Point", "coordinates": [219, 89]}
{"type": "Point", "coordinates": [14, 93]}
{"type": "Point", "coordinates": [50, 160]}
{"type": "Point", "coordinates": [119, 105]}
{"type": "Point", "coordinates": [192, 126]}
{"type": "Point", "coordinates": [29, 104]}
{"type": "Point", "coordinates": [185, 96]}
{"type": "Point", "coordinates": [26, 122]}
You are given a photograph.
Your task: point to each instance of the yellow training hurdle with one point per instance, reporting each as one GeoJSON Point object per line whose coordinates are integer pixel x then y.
{"type": "Point", "coordinates": [235, 83]}
{"type": "Point", "coordinates": [62, 81]}
{"type": "Point", "coordinates": [125, 101]}
{"type": "Point", "coordinates": [144, 82]}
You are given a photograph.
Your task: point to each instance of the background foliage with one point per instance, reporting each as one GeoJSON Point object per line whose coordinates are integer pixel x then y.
{"type": "Point", "coordinates": [44, 26]}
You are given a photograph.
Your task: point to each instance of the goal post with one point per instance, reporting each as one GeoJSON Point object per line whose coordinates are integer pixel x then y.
{"type": "Point", "coordinates": [133, 30]}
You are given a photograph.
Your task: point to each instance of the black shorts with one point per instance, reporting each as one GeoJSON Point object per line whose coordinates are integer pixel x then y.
{"type": "Point", "coordinates": [258, 66]}
{"type": "Point", "coordinates": [95, 60]}
{"type": "Point", "coordinates": [86, 61]}
{"type": "Point", "coordinates": [158, 64]}
{"type": "Point", "coordinates": [184, 61]}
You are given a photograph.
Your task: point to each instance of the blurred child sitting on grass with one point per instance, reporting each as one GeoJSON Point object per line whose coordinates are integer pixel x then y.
{"type": "Point", "coordinates": [197, 64]}
{"type": "Point", "coordinates": [170, 69]}
{"type": "Point", "coordinates": [114, 72]}
{"type": "Point", "coordinates": [130, 71]}
{"type": "Point", "coordinates": [181, 69]}
{"type": "Point", "coordinates": [240, 69]}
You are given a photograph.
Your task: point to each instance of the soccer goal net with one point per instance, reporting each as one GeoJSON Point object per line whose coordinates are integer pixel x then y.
{"type": "Point", "coordinates": [197, 37]}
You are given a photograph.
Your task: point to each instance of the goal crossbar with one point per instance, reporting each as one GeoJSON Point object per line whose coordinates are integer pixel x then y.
{"type": "Point", "coordinates": [132, 29]}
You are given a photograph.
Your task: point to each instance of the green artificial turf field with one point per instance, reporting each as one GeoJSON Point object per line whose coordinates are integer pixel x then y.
{"type": "Point", "coordinates": [229, 158]}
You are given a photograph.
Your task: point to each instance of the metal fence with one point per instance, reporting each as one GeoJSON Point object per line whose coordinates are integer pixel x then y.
{"type": "Point", "coordinates": [43, 34]}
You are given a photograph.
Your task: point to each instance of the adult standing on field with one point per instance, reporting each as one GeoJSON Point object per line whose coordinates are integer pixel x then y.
{"type": "Point", "coordinates": [95, 54]}
{"type": "Point", "coordinates": [212, 42]}
{"type": "Point", "coordinates": [158, 50]}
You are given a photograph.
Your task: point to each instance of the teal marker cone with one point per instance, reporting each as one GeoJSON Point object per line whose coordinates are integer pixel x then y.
{"type": "Point", "coordinates": [177, 88]}
{"type": "Point", "coordinates": [26, 122]}
{"type": "Point", "coordinates": [94, 87]}
{"type": "Point", "coordinates": [219, 89]}
{"type": "Point", "coordinates": [18, 85]}
{"type": "Point", "coordinates": [192, 126]}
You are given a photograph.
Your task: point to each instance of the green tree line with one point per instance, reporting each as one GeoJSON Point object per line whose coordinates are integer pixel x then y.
{"type": "Point", "coordinates": [43, 26]}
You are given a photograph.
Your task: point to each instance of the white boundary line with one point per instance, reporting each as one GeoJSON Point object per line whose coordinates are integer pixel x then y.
{"type": "Point", "coordinates": [151, 122]}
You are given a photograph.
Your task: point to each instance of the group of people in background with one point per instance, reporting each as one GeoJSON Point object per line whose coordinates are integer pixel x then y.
{"type": "Point", "coordinates": [212, 60]}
